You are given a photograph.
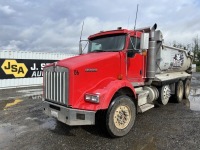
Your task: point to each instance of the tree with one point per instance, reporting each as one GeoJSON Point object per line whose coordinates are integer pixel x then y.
{"type": "Point", "coordinates": [180, 45]}
{"type": "Point", "coordinates": [196, 50]}
{"type": "Point", "coordinates": [194, 47]}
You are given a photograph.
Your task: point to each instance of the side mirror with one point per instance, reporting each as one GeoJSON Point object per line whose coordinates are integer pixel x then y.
{"type": "Point", "coordinates": [130, 53]}
{"type": "Point", "coordinates": [80, 48]}
{"type": "Point", "coordinates": [144, 43]}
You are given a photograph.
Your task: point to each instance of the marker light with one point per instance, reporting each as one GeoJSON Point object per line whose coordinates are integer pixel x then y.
{"type": "Point", "coordinates": [92, 98]}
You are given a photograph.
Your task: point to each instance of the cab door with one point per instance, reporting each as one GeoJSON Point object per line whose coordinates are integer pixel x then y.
{"type": "Point", "coordinates": [135, 62]}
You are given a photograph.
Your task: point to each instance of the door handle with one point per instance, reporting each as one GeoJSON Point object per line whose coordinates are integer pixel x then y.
{"type": "Point", "coordinates": [140, 72]}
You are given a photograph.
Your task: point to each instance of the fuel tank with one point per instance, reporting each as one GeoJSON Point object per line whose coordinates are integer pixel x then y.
{"type": "Point", "coordinates": [171, 59]}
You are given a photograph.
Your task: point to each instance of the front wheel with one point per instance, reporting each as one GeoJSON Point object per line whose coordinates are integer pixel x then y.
{"type": "Point", "coordinates": [120, 116]}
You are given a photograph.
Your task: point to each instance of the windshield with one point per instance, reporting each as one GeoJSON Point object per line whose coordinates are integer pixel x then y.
{"type": "Point", "coordinates": [107, 43]}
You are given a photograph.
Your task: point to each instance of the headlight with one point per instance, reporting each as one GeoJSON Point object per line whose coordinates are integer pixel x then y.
{"type": "Point", "coordinates": [94, 98]}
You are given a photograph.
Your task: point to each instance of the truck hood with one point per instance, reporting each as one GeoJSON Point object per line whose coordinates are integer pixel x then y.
{"type": "Point", "coordinates": [86, 59]}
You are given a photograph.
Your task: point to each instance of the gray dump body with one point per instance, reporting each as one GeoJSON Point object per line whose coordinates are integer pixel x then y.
{"type": "Point", "coordinates": [165, 63]}
{"type": "Point", "coordinates": [171, 59]}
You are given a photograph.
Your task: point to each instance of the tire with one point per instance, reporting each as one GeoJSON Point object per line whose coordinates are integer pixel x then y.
{"type": "Point", "coordinates": [179, 91]}
{"type": "Point", "coordinates": [120, 116]}
{"type": "Point", "coordinates": [187, 87]}
{"type": "Point", "coordinates": [164, 94]}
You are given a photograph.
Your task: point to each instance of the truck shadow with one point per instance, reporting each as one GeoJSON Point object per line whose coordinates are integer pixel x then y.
{"type": "Point", "coordinates": [66, 130]}
{"type": "Point", "coordinates": [96, 130]}
{"type": "Point", "coordinates": [99, 129]}
{"type": "Point", "coordinates": [63, 129]}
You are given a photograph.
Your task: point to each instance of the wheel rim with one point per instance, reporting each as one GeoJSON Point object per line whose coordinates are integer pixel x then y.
{"type": "Point", "coordinates": [122, 116]}
{"type": "Point", "coordinates": [166, 94]}
{"type": "Point", "coordinates": [180, 91]}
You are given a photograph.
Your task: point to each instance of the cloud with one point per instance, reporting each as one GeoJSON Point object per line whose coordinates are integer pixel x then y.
{"type": "Point", "coordinates": [62, 36]}
{"type": "Point", "coordinates": [13, 45]}
{"type": "Point", "coordinates": [7, 10]}
{"type": "Point", "coordinates": [56, 25]}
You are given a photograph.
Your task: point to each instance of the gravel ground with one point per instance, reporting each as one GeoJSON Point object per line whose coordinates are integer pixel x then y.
{"type": "Point", "coordinates": [172, 127]}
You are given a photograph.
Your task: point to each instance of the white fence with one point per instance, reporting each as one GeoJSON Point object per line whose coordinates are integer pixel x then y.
{"type": "Point", "coordinates": [24, 68]}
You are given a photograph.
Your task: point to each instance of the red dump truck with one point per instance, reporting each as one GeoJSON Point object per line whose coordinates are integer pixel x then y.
{"type": "Point", "coordinates": [123, 73]}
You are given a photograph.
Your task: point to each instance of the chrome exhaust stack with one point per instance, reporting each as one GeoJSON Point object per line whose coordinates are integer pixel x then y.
{"type": "Point", "coordinates": [151, 54]}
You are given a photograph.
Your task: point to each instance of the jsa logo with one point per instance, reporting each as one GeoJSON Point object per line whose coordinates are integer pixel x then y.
{"type": "Point", "coordinates": [14, 68]}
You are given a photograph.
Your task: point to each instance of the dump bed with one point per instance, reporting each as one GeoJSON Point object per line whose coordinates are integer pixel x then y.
{"type": "Point", "coordinates": [172, 59]}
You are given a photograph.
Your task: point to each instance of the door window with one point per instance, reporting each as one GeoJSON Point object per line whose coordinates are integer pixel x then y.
{"type": "Point", "coordinates": [134, 43]}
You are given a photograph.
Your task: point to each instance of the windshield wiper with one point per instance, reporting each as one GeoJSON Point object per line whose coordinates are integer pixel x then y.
{"type": "Point", "coordinates": [103, 51]}
{"type": "Point", "coordinates": [98, 51]}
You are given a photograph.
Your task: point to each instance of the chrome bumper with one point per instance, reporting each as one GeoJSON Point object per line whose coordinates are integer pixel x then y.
{"type": "Point", "coordinates": [69, 116]}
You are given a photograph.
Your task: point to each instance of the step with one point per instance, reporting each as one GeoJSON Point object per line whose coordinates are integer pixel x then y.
{"type": "Point", "coordinates": [142, 97]}
{"type": "Point", "coordinates": [137, 90]}
{"type": "Point", "coordinates": [145, 107]}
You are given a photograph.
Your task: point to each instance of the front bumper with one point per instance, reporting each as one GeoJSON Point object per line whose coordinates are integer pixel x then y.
{"type": "Point", "coordinates": [69, 116]}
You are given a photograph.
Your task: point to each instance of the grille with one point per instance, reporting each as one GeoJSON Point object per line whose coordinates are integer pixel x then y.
{"type": "Point", "coordinates": [56, 84]}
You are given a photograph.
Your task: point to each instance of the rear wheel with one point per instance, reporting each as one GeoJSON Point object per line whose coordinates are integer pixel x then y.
{"type": "Point", "coordinates": [187, 87]}
{"type": "Point", "coordinates": [179, 91]}
{"type": "Point", "coordinates": [164, 94]}
{"type": "Point", "coordinates": [120, 116]}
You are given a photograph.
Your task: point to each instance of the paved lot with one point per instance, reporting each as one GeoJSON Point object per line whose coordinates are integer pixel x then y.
{"type": "Point", "coordinates": [15, 93]}
{"type": "Point", "coordinates": [174, 126]}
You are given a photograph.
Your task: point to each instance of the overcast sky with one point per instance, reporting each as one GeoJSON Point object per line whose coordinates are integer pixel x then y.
{"type": "Point", "coordinates": [55, 25]}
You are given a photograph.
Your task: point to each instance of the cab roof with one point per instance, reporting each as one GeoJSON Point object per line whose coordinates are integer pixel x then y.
{"type": "Point", "coordinates": [111, 32]}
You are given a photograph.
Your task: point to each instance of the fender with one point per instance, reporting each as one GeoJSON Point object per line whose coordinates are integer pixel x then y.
{"type": "Point", "coordinates": [109, 91]}
{"type": "Point", "coordinates": [106, 89]}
